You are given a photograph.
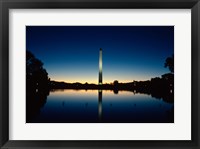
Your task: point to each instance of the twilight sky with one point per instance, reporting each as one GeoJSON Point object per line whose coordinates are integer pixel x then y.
{"type": "Point", "coordinates": [71, 53]}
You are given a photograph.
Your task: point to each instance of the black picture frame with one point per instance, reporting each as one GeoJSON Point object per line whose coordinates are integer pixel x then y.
{"type": "Point", "coordinates": [5, 5]}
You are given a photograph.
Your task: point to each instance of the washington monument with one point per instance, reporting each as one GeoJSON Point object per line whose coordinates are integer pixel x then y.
{"type": "Point", "coordinates": [100, 67]}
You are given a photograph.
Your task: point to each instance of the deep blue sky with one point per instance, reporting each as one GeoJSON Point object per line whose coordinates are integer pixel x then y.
{"type": "Point", "coordinates": [71, 53]}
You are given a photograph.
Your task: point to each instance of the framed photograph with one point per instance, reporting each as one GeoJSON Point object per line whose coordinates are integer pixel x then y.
{"type": "Point", "coordinates": [112, 74]}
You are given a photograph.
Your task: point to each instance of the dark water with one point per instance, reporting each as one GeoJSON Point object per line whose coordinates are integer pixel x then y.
{"type": "Point", "coordinates": [93, 106]}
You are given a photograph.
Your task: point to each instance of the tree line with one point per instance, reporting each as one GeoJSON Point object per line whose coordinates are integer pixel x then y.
{"type": "Point", "coordinates": [38, 85]}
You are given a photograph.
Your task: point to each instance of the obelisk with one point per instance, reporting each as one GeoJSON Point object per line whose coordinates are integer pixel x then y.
{"type": "Point", "coordinates": [100, 67]}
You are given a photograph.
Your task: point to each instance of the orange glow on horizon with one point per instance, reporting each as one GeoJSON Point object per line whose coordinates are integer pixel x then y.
{"type": "Point", "coordinates": [94, 80]}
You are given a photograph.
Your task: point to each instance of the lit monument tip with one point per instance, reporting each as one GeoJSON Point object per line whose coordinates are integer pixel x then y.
{"type": "Point", "coordinates": [100, 67]}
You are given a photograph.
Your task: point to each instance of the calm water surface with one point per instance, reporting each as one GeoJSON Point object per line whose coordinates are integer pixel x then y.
{"type": "Point", "coordinates": [95, 106]}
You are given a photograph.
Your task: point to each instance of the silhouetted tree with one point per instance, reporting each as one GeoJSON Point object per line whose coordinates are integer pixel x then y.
{"type": "Point", "coordinates": [169, 62]}
{"type": "Point", "coordinates": [37, 86]}
{"type": "Point", "coordinates": [36, 75]}
{"type": "Point", "coordinates": [116, 83]}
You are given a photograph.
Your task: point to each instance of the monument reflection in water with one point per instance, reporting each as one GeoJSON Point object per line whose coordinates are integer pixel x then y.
{"type": "Point", "coordinates": [97, 106]}
{"type": "Point", "coordinates": [100, 105]}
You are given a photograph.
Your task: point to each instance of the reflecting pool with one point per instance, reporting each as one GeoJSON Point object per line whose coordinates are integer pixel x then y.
{"type": "Point", "coordinates": [103, 106]}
